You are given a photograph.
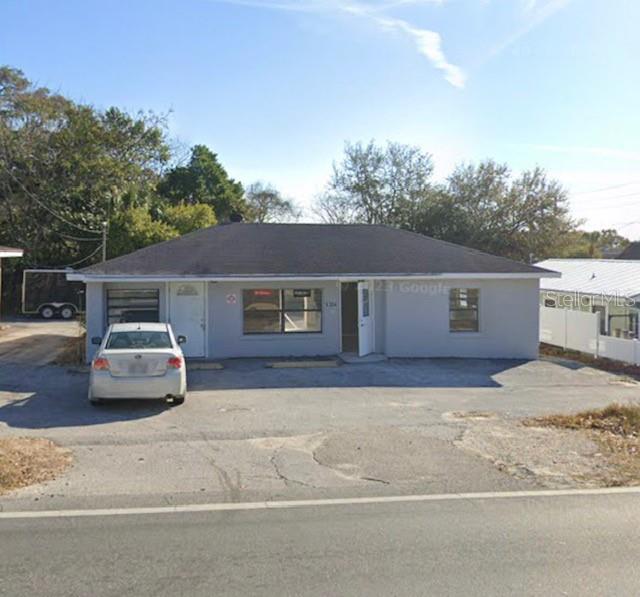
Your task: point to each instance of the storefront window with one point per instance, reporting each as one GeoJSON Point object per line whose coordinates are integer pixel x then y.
{"type": "Point", "coordinates": [282, 311]}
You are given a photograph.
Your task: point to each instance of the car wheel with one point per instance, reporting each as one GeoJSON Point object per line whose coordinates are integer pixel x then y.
{"type": "Point", "coordinates": [47, 312]}
{"type": "Point", "coordinates": [176, 400]}
{"type": "Point", "coordinates": [67, 312]}
{"type": "Point", "coordinates": [93, 401]}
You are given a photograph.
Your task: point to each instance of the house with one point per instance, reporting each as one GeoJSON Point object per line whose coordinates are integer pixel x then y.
{"type": "Point", "coordinates": [631, 251]}
{"type": "Point", "coordinates": [610, 287]}
{"type": "Point", "coordinates": [4, 253]}
{"type": "Point", "coordinates": [268, 290]}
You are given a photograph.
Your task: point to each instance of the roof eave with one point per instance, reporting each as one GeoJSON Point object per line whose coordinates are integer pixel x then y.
{"type": "Point", "coordinates": [11, 253]}
{"type": "Point", "coordinates": [89, 277]}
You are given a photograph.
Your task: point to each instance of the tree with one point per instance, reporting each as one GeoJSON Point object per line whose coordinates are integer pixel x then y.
{"type": "Point", "coordinates": [204, 180]}
{"type": "Point", "coordinates": [593, 245]}
{"type": "Point", "coordinates": [67, 167]}
{"type": "Point", "coordinates": [133, 228]}
{"type": "Point", "coordinates": [266, 204]}
{"type": "Point", "coordinates": [484, 207]}
{"type": "Point", "coordinates": [188, 218]}
{"type": "Point", "coordinates": [377, 185]}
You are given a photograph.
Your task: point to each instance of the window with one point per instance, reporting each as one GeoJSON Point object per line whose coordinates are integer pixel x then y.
{"type": "Point", "coordinates": [365, 302]}
{"type": "Point", "coordinates": [282, 311]}
{"type": "Point", "coordinates": [463, 310]}
{"type": "Point", "coordinates": [550, 303]}
{"type": "Point", "coordinates": [138, 340]}
{"type": "Point", "coordinates": [124, 306]}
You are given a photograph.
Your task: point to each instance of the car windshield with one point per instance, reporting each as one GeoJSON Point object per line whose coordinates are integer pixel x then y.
{"type": "Point", "coordinates": [138, 339]}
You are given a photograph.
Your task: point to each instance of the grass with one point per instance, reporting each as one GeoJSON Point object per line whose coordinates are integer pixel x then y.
{"type": "Point", "coordinates": [28, 460]}
{"type": "Point", "coordinates": [615, 428]}
{"type": "Point", "coordinates": [610, 365]}
{"type": "Point", "coordinates": [619, 419]}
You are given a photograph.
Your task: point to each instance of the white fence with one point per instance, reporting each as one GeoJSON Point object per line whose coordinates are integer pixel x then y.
{"type": "Point", "coordinates": [578, 330]}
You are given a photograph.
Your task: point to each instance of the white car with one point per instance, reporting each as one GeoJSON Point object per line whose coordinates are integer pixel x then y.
{"type": "Point", "coordinates": [138, 360]}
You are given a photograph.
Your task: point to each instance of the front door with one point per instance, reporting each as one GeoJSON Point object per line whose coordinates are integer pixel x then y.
{"type": "Point", "coordinates": [365, 319]}
{"type": "Point", "coordinates": [187, 315]}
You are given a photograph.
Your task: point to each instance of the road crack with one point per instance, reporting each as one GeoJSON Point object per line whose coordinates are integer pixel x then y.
{"type": "Point", "coordinates": [283, 477]}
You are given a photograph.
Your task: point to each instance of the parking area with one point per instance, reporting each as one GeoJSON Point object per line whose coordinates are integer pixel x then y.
{"type": "Point", "coordinates": [33, 341]}
{"type": "Point", "coordinates": [252, 432]}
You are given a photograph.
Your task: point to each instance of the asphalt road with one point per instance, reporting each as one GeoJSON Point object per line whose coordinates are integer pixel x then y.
{"type": "Point", "coordinates": [571, 545]}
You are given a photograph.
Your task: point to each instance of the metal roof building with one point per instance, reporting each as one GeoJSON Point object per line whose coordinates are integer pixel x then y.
{"type": "Point", "coordinates": [608, 277]}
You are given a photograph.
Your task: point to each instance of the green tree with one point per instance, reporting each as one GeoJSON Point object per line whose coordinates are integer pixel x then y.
{"type": "Point", "coordinates": [187, 218]}
{"type": "Point", "coordinates": [593, 245]}
{"type": "Point", "coordinates": [266, 204]}
{"type": "Point", "coordinates": [204, 180]}
{"type": "Point", "coordinates": [133, 228]}
{"type": "Point", "coordinates": [483, 206]}
{"type": "Point", "coordinates": [67, 167]}
{"type": "Point", "coordinates": [376, 184]}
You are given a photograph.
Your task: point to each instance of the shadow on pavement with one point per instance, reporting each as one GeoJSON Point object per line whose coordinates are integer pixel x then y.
{"type": "Point", "coordinates": [50, 396]}
{"type": "Point", "coordinates": [241, 374]}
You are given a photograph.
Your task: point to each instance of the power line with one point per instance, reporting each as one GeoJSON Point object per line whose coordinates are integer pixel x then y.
{"type": "Point", "coordinates": [89, 256]}
{"type": "Point", "coordinates": [610, 188]}
{"type": "Point", "coordinates": [591, 199]}
{"type": "Point", "coordinates": [609, 206]}
{"type": "Point", "coordinates": [47, 208]}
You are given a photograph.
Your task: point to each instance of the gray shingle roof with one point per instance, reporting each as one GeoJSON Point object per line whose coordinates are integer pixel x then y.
{"type": "Point", "coordinates": [305, 249]}
{"type": "Point", "coordinates": [632, 251]}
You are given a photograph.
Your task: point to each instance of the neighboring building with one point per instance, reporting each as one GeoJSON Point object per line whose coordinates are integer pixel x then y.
{"type": "Point", "coordinates": [608, 286]}
{"type": "Point", "coordinates": [631, 251]}
{"type": "Point", "coordinates": [269, 290]}
{"type": "Point", "coordinates": [6, 252]}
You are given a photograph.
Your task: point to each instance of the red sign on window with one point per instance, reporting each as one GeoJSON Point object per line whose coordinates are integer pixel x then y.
{"type": "Point", "coordinates": [263, 292]}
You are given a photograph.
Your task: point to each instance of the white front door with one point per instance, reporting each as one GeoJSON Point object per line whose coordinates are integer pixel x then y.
{"type": "Point", "coordinates": [187, 315]}
{"type": "Point", "coordinates": [365, 319]}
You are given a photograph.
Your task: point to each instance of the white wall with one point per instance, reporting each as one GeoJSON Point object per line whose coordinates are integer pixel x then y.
{"type": "Point", "coordinates": [578, 330]}
{"type": "Point", "coordinates": [95, 308]}
{"type": "Point", "coordinates": [226, 338]}
{"type": "Point", "coordinates": [417, 320]}
{"type": "Point", "coordinates": [412, 320]}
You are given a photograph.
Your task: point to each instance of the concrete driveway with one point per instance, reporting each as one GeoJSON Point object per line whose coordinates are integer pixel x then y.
{"type": "Point", "coordinates": [35, 342]}
{"type": "Point", "coordinates": [249, 432]}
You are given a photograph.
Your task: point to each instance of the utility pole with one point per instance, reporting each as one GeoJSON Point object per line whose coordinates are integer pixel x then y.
{"type": "Point", "coordinates": [104, 241]}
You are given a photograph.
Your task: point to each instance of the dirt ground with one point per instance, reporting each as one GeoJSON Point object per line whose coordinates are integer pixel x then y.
{"type": "Point", "coordinates": [553, 457]}
{"type": "Point", "coordinates": [36, 342]}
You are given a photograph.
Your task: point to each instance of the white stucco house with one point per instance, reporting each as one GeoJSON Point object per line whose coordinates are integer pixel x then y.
{"type": "Point", "coordinates": [278, 290]}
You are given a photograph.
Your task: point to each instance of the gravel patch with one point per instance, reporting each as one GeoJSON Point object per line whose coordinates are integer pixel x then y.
{"type": "Point", "coordinates": [554, 458]}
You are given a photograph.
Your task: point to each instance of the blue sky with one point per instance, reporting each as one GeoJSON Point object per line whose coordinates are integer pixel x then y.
{"type": "Point", "coordinates": [275, 87]}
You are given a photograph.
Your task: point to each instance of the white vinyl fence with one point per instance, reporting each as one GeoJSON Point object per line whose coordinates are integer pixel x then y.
{"type": "Point", "coordinates": [578, 330]}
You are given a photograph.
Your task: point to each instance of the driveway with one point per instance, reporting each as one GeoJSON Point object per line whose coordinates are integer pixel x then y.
{"type": "Point", "coordinates": [35, 342]}
{"type": "Point", "coordinates": [249, 432]}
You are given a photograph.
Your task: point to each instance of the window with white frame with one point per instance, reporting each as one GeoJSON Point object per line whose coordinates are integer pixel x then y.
{"type": "Point", "coordinates": [282, 311]}
{"type": "Point", "coordinates": [463, 310]}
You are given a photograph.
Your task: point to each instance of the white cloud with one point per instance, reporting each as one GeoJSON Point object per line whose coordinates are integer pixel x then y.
{"type": "Point", "coordinates": [428, 43]}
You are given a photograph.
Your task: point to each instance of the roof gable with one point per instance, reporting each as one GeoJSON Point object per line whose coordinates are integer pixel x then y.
{"type": "Point", "coordinates": [632, 251]}
{"type": "Point", "coordinates": [305, 249]}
